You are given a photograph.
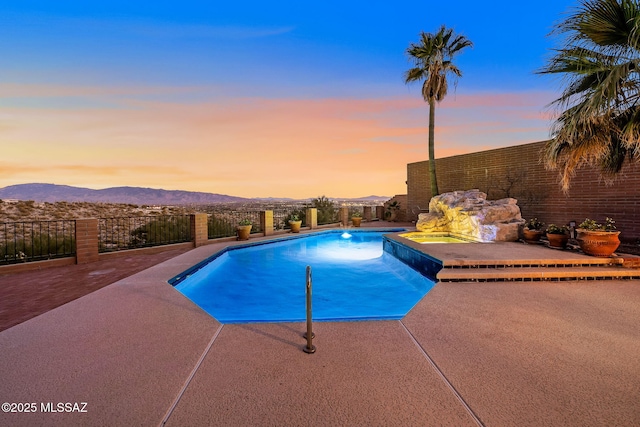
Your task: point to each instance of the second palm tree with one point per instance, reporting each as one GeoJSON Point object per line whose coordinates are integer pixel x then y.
{"type": "Point", "coordinates": [433, 60]}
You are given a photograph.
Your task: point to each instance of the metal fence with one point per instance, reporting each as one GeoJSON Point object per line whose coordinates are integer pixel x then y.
{"type": "Point", "coordinates": [223, 223]}
{"type": "Point", "coordinates": [116, 234]}
{"type": "Point", "coordinates": [42, 240]}
{"type": "Point", "coordinates": [36, 241]}
{"type": "Point", "coordinates": [282, 216]}
{"type": "Point", "coordinates": [356, 209]}
{"type": "Point", "coordinates": [374, 214]}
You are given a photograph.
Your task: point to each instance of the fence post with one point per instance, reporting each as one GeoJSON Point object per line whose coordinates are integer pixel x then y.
{"type": "Point", "coordinates": [380, 213]}
{"type": "Point", "coordinates": [366, 214]}
{"type": "Point", "coordinates": [266, 222]}
{"type": "Point", "coordinates": [86, 240]}
{"type": "Point", "coordinates": [344, 216]}
{"type": "Point", "coordinates": [312, 218]}
{"type": "Point", "coordinates": [199, 229]}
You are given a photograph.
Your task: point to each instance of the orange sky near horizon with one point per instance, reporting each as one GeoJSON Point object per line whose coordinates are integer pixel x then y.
{"type": "Point", "coordinates": [260, 99]}
{"type": "Point", "coordinates": [100, 137]}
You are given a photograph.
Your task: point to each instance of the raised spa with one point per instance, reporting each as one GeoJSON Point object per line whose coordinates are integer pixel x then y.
{"type": "Point", "coordinates": [426, 238]}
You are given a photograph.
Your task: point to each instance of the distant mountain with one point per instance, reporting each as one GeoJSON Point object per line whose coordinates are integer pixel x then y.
{"type": "Point", "coordinates": [364, 199]}
{"type": "Point", "coordinates": [273, 199]}
{"type": "Point", "coordinates": [136, 195]}
{"type": "Point", "coordinates": [133, 195]}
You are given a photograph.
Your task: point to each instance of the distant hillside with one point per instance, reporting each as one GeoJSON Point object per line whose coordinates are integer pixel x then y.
{"type": "Point", "coordinates": [134, 195]}
{"type": "Point", "coordinates": [371, 198]}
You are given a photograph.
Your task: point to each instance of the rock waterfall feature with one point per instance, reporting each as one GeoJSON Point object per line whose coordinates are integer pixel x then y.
{"type": "Point", "coordinates": [470, 215]}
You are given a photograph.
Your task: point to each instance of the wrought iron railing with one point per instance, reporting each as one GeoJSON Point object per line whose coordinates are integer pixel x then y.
{"type": "Point", "coordinates": [326, 217]}
{"type": "Point", "coordinates": [41, 240]}
{"type": "Point", "coordinates": [282, 216]}
{"type": "Point", "coordinates": [36, 241]}
{"type": "Point", "coordinates": [356, 209]}
{"type": "Point", "coordinates": [116, 234]}
{"type": "Point", "coordinates": [223, 223]}
{"type": "Point", "coordinates": [374, 213]}
{"type": "Point", "coordinates": [223, 219]}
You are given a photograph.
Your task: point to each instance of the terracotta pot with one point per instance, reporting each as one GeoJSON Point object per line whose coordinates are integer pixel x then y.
{"type": "Point", "coordinates": [243, 232]}
{"type": "Point", "coordinates": [295, 226]}
{"type": "Point", "coordinates": [558, 240]}
{"type": "Point", "coordinates": [356, 220]}
{"type": "Point", "coordinates": [598, 243]}
{"type": "Point", "coordinates": [532, 236]}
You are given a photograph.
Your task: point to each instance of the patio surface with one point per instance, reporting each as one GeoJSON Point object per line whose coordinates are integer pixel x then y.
{"type": "Point", "coordinates": [496, 354]}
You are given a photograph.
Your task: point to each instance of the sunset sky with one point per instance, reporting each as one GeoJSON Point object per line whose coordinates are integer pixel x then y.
{"type": "Point", "coordinates": [259, 99]}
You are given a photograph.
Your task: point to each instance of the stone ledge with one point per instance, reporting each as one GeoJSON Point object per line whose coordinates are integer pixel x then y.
{"type": "Point", "coordinates": [470, 214]}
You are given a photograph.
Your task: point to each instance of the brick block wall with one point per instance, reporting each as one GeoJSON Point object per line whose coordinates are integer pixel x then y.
{"type": "Point", "coordinates": [86, 241]}
{"type": "Point", "coordinates": [266, 222]}
{"type": "Point", "coordinates": [343, 215]}
{"type": "Point", "coordinates": [199, 229]}
{"type": "Point", "coordinates": [518, 172]}
{"type": "Point", "coordinates": [403, 200]}
{"type": "Point", "coordinates": [366, 213]}
{"type": "Point", "coordinates": [312, 218]}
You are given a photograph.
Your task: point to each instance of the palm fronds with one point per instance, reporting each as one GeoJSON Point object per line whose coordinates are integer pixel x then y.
{"type": "Point", "coordinates": [600, 121]}
{"type": "Point", "coordinates": [432, 58]}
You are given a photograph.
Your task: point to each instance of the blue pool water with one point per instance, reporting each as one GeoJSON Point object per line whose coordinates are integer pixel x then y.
{"type": "Point", "coordinates": [353, 279]}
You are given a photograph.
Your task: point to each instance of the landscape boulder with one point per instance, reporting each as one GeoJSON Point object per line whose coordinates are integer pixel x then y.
{"type": "Point", "coordinates": [469, 214]}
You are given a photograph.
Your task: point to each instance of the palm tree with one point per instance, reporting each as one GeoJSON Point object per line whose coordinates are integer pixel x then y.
{"type": "Point", "coordinates": [432, 58]}
{"type": "Point", "coordinates": [600, 121]}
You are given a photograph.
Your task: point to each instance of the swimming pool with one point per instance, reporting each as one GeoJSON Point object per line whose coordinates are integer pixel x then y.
{"type": "Point", "coordinates": [353, 279]}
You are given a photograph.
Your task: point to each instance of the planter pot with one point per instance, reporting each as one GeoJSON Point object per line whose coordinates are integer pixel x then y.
{"type": "Point", "coordinates": [243, 232]}
{"type": "Point", "coordinates": [532, 236]}
{"type": "Point", "coordinates": [391, 216]}
{"type": "Point", "coordinates": [356, 221]}
{"type": "Point", "coordinates": [295, 226]}
{"type": "Point", "coordinates": [558, 240]}
{"type": "Point", "coordinates": [598, 243]}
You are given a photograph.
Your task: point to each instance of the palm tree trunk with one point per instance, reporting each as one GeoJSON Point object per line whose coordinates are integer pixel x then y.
{"type": "Point", "coordinates": [432, 155]}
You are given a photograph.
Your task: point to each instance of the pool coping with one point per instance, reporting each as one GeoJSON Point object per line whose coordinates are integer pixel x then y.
{"type": "Point", "coordinates": [421, 261]}
{"type": "Point", "coordinates": [178, 279]}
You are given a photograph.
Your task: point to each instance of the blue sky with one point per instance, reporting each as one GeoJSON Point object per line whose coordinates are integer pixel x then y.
{"type": "Point", "coordinates": [91, 86]}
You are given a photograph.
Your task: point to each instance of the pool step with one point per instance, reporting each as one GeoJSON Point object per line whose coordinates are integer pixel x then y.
{"type": "Point", "coordinates": [500, 274]}
{"type": "Point", "coordinates": [462, 263]}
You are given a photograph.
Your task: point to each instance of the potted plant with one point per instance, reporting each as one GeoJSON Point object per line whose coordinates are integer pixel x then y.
{"type": "Point", "coordinates": [295, 222]}
{"type": "Point", "coordinates": [244, 229]}
{"type": "Point", "coordinates": [356, 218]}
{"type": "Point", "coordinates": [598, 239]}
{"type": "Point", "coordinates": [392, 211]}
{"type": "Point", "coordinates": [532, 231]}
{"type": "Point", "coordinates": [558, 236]}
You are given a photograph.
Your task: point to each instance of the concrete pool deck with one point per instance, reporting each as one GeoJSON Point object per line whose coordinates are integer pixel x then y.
{"type": "Point", "coordinates": [495, 354]}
